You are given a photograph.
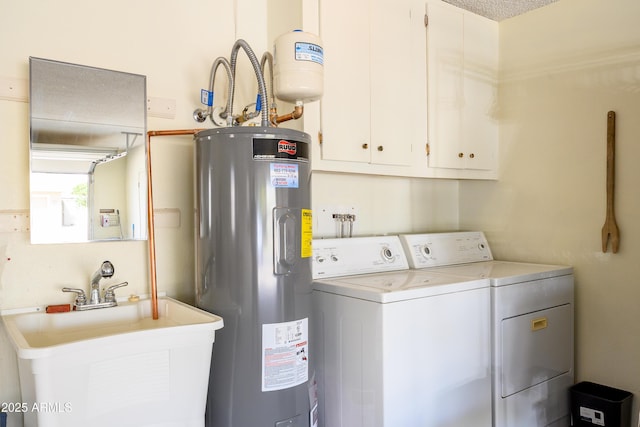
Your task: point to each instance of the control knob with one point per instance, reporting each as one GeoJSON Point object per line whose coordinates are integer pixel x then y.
{"type": "Point", "coordinates": [425, 251]}
{"type": "Point", "coordinates": [387, 254]}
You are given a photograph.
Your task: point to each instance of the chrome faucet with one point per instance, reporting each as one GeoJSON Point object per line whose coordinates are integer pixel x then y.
{"type": "Point", "coordinates": [106, 270]}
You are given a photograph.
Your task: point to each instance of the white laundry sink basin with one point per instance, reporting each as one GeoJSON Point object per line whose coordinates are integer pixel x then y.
{"type": "Point", "coordinates": [115, 366]}
{"type": "Point", "coordinates": [38, 333]}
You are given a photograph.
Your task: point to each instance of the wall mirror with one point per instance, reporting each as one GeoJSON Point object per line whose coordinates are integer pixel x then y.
{"type": "Point", "coordinates": [88, 161]}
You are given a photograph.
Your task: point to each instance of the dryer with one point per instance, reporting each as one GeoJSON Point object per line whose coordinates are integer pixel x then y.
{"type": "Point", "coordinates": [398, 347]}
{"type": "Point", "coordinates": [532, 308]}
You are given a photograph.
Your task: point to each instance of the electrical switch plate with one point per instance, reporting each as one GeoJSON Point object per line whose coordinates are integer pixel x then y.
{"type": "Point", "coordinates": [14, 89]}
{"type": "Point", "coordinates": [161, 107]}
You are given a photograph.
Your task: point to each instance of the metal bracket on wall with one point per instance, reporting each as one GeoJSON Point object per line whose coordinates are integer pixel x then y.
{"type": "Point", "coordinates": [14, 221]}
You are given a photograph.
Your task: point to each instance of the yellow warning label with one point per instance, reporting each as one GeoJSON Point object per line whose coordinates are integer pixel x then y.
{"type": "Point", "coordinates": [307, 234]}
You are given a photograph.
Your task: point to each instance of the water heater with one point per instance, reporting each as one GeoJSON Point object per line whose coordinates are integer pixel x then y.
{"type": "Point", "coordinates": [254, 269]}
{"type": "Point", "coordinates": [298, 67]}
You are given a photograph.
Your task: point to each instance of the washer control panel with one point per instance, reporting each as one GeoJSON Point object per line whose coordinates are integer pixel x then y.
{"type": "Point", "coordinates": [439, 249]}
{"type": "Point", "coordinates": [357, 255]}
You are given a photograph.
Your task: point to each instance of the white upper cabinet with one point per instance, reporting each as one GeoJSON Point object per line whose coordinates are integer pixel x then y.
{"type": "Point", "coordinates": [393, 84]}
{"type": "Point", "coordinates": [462, 80]}
{"type": "Point", "coordinates": [368, 122]}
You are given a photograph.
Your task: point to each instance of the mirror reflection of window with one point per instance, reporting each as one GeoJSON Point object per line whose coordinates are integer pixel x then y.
{"type": "Point", "coordinates": [59, 207]}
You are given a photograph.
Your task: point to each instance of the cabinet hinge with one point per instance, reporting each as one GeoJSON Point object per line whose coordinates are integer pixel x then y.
{"type": "Point", "coordinates": [320, 138]}
{"type": "Point", "coordinates": [427, 149]}
{"type": "Point", "coordinates": [426, 20]}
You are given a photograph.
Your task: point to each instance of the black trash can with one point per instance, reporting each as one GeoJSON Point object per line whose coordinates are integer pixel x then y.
{"type": "Point", "coordinates": [599, 405]}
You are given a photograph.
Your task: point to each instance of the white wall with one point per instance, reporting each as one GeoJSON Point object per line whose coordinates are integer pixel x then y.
{"type": "Point", "coordinates": [563, 67]}
{"type": "Point", "coordinates": [385, 204]}
{"type": "Point", "coordinates": [174, 47]}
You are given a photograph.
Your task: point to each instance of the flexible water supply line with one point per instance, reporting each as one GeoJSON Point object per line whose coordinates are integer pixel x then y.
{"type": "Point", "coordinates": [267, 59]}
{"type": "Point", "coordinates": [200, 114]}
{"type": "Point", "coordinates": [257, 70]}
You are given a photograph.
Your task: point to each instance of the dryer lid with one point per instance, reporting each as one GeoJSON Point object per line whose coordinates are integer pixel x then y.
{"type": "Point", "coordinates": [502, 273]}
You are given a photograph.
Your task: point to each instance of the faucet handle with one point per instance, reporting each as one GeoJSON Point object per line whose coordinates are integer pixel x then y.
{"type": "Point", "coordinates": [110, 295]}
{"type": "Point", "coordinates": [81, 298]}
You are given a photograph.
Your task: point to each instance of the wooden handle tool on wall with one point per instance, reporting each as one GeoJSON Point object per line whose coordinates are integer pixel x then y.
{"type": "Point", "coordinates": [610, 229]}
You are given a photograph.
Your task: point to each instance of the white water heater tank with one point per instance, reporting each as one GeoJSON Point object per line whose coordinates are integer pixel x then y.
{"type": "Point", "coordinates": [298, 62]}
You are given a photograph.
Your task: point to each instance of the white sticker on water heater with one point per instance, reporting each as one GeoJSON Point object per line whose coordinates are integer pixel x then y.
{"type": "Point", "coordinates": [285, 351]}
{"type": "Point", "coordinates": [284, 175]}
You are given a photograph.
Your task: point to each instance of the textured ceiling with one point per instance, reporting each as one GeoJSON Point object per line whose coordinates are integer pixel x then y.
{"type": "Point", "coordinates": [499, 9]}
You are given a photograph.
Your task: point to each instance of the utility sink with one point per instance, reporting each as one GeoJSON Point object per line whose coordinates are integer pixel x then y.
{"type": "Point", "coordinates": [115, 366]}
{"type": "Point", "coordinates": [37, 334]}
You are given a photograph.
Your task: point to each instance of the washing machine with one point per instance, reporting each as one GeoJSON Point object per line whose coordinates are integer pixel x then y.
{"type": "Point", "coordinates": [398, 347]}
{"type": "Point", "coordinates": [532, 310]}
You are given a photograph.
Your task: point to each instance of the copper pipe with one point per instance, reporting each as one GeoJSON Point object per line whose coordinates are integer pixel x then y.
{"type": "Point", "coordinates": [294, 115]}
{"type": "Point", "coordinates": [273, 115]}
{"type": "Point", "coordinates": [150, 220]}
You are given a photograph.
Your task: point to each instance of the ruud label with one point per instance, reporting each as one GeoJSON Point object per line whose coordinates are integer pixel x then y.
{"type": "Point", "coordinates": [287, 147]}
{"type": "Point", "coordinates": [269, 148]}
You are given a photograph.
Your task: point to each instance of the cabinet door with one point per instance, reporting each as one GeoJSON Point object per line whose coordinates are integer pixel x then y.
{"type": "Point", "coordinates": [345, 105]}
{"type": "Point", "coordinates": [368, 53]}
{"type": "Point", "coordinates": [462, 67]}
{"type": "Point", "coordinates": [393, 95]}
{"type": "Point", "coordinates": [480, 124]}
{"type": "Point", "coordinates": [445, 65]}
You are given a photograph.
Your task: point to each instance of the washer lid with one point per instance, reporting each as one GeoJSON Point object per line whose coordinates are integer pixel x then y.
{"type": "Point", "coordinates": [398, 286]}
{"type": "Point", "coordinates": [503, 273]}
